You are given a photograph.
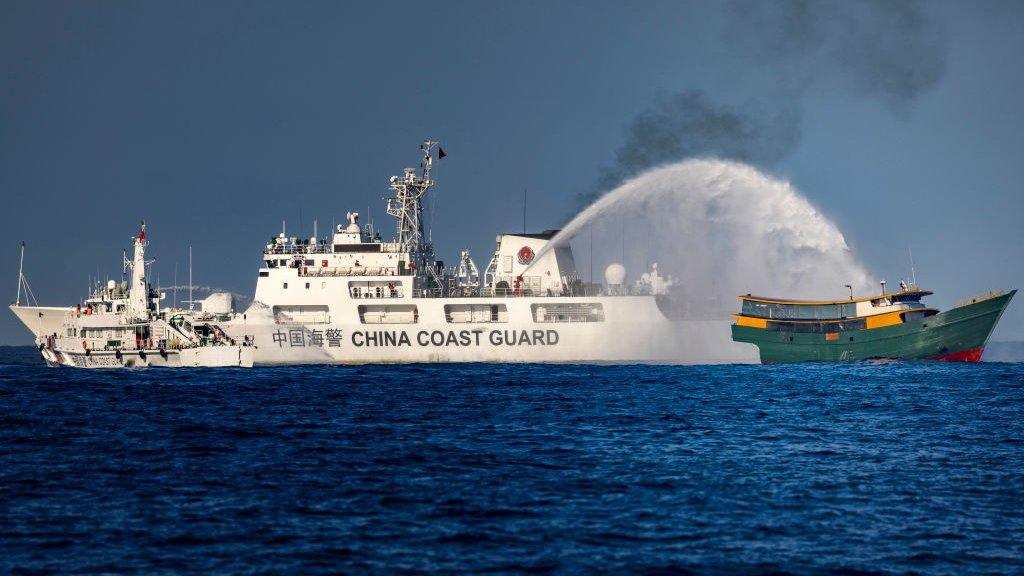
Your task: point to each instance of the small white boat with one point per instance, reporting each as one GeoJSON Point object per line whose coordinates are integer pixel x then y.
{"type": "Point", "coordinates": [121, 325]}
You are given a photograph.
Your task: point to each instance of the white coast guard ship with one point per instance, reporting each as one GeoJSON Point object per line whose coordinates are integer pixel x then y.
{"type": "Point", "coordinates": [355, 298]}
{"type": "Point", "coordinates": [122, 325]}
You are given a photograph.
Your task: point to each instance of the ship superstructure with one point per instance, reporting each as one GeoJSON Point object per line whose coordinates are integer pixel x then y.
{"type": "Point", "coordinates": [353, 297]}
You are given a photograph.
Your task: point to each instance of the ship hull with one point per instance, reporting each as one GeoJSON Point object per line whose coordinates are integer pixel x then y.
{"type": "Point", "coordinates": [41, 321]}
{"type": "Point", "coordinates": [672, 342]}
{"type": "Point", "coordinates": [957, 335]}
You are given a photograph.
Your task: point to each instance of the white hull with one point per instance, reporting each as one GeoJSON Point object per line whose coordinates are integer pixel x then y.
{"type": "Point", "coordinates": [683, 342]}
{"type": "Point", "coordinates": [42, 321]}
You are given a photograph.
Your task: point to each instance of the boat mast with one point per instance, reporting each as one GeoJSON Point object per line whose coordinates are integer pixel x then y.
{"type": "Point", "coordinates": [913, 271]}
{"type": "Point", "coordinates": [138, 290]}
{"type": "Point", "coordinates": [21, 274]}
{"type": "Point", "coordinates": [407, 206]}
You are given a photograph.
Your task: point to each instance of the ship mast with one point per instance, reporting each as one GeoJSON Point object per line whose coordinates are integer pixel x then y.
{"type": "Point", "coordinates": [21, 274]}
{"type": "Point", "coordinates": [138, 291]}
{"type": "Point", "coordinates": [407, 206]}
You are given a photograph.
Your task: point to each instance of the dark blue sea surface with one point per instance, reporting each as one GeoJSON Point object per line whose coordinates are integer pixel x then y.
{"type": "Point", "coordinates": [803, 469]}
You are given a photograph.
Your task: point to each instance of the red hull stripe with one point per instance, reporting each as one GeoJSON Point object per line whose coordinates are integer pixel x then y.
{"type": "Point", "coordinates": [972, 355]}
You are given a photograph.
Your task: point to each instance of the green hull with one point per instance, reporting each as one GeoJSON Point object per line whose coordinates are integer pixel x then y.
{"type": "Point", "coordinates": [959, 334]}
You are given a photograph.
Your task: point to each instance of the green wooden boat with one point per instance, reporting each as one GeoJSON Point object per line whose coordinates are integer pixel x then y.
{"type": "Point", "coordinates": [894, 325]}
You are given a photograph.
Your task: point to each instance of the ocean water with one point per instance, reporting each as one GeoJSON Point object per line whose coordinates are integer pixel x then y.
{"type": "Point", "coordinates": [893, 468]}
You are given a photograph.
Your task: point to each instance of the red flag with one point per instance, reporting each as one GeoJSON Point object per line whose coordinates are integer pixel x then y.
{"type": "Point", "coordinates": [142, 233]}
{"type": "Point", "coordinates": [440, 153]}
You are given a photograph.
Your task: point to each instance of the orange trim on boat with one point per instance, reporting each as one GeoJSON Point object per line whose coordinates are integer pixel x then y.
{"type": "Point", "coordinates": [883, 320]}
{"type": "Point", "coordinates": [761, 323]}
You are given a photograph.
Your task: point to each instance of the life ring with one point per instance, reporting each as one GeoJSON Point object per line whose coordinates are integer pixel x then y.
{"type": "Point", "coordinates": [85, 345]}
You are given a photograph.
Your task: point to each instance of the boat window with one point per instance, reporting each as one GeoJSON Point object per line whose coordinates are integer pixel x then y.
{"type": "Point", "coordinates": [751, 308]}
{"type": "Point", "coordinates": [285, 285]}
{"type": "Point", "coordinates": [818, 327]}
{"type": "Point", "coordinates": [388, 314]}
{"type": "Point", "coordinates": [264, 273]}
{"type": "Point", "coordinates": [473, 313]}
{"type": "Point", "coordinates": [558, 312]}
{"type": "Point", "coordinates": [906, 297]}
{"type": "Point", "coordinates": [798, 311]}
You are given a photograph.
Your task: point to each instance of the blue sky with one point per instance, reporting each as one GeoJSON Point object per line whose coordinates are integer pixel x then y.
{"type": "Point", "coordinates": [216, 120]}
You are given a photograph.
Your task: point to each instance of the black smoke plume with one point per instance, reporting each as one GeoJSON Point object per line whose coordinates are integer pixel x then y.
{"type": "Point", "coordinates": [892, 51]}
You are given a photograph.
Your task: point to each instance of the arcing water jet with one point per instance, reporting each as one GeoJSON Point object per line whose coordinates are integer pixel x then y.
{"type": "Point", "coordinates": [722, 228]}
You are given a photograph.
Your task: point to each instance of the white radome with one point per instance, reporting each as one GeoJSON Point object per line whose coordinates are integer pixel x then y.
{"type": "Point", "coordinates": [615, 274]}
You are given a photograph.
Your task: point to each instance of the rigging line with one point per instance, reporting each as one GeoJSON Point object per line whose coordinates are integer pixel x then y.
{"type": "Point", "coordinates": [28, 290]}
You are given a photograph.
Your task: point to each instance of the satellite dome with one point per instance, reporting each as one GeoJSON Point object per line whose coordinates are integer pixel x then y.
{"type": "Point", "coordinates": [615, 274]}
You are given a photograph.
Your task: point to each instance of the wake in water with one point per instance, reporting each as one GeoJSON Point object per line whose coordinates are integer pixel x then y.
{"type": "Point", "coordinates": [721, 228]}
